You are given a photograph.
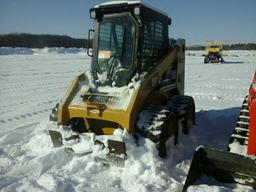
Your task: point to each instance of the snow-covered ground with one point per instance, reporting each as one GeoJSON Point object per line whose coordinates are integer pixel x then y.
{"type": "Point", "coordinates": [32, 81]}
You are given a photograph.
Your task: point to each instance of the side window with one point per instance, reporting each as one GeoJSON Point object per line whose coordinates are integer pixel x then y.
{"type": "Point", "coordinates": [153, 47]}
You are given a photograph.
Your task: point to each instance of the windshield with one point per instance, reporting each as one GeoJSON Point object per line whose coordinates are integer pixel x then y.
{"type": "Point", "coordinates": [116, 39]}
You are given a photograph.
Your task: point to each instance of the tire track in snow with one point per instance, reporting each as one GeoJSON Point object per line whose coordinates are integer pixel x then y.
{"type": "Point", "coordinates": [219, 86]}
{"type": "Point", "coordinates": [31, 85]}
{"type": "Point", "coordinates": [6, 108]}
{"type": "Point", "coordinates": [14, 121]}
{"type": "Point", "coordinates": [5, 98]}
{"type": "Point", "coordinates": [217, 96]}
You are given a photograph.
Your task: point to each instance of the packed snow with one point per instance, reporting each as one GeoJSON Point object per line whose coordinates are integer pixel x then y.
{"type": "Point", "coordinates": [31, 85]}
{"type": "Point", "coordinates": [121, 96]}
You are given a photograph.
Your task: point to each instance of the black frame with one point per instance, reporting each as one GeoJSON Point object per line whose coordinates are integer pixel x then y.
{"type": "Point", "coordinates": [88, 42]}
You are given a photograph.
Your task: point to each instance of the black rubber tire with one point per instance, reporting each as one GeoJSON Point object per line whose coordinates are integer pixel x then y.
{"type": "Point", "coordinates": [162, 151]}
{"type": "Point", "coordinates": [77, 125]}
{"type": "Point", "coordinates": [173, 125]}
{"type": "Point", "coordinates": [189, 115]}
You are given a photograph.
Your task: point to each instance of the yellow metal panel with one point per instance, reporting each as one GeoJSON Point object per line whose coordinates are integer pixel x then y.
{"type": "Point", "coordinates": [63, 116]}
{"type": "Point", "coordinates": [214, 46]}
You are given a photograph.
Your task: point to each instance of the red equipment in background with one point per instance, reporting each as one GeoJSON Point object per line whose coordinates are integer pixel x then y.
{"type": "Point", "coordinates": [251, 150]}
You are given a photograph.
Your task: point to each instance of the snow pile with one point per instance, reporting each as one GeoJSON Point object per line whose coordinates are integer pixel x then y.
{"type": "Point", "coordinates": [46, 50]}
{"type": "Point", "coordinates": [119, 97]}
{"type": "Point", "coordinates": [16, 50]}
{"type": "Point", "coordinates": [30, 163]}
{"type": "Point", "coordinates": [36, 165]}
{"type": "Point", "coordinates": [61, 50]}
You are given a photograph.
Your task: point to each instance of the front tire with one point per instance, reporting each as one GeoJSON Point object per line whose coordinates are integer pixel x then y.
{"type": "Point", "coordinates": [171, 127]}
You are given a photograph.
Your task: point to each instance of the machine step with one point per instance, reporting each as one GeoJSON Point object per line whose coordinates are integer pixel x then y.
{"type": "Point", "coordinates": [239, 137]}
{"type": "Point", "coordinates": [243, 123]}
{"type": "Point", "coordinates": [244, 117]}
{"type": "Point", "coordinates": [245, 111]}
{"type": "Point", "coordinates": [241, 129]}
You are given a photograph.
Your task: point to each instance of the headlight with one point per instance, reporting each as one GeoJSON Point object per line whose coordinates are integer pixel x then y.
{"type": "Point", "coordinates": [92, 14]}
{"type": "Point", "coordinates": [137, 11]}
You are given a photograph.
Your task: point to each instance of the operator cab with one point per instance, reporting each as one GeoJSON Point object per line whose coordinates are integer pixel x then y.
{"type": "Point", "coordinates": [129, 38]}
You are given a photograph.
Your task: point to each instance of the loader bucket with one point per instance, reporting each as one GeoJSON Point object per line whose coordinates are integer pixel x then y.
{"type": "Point", "coordinates": [56, 138]}
{"type": "Point", "coordinates": [116, 155]}
{"type": "Point", "coordinates": [223, 166]}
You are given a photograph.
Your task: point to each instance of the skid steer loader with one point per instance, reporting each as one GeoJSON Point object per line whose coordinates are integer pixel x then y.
{"type": "Point", "coordinates": [238, 165]}
{"type": "Point", "coordinates": [214, 52]}
{"type": "Point", "coordinates": [136, 82]}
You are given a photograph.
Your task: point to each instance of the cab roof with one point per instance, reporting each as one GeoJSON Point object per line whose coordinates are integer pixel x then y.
{"type": "Point", "coordinates": [126, 5]}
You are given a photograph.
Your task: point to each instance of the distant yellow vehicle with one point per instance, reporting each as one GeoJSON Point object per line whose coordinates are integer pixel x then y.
{"type": "Point", "coordinates": [214, 52]}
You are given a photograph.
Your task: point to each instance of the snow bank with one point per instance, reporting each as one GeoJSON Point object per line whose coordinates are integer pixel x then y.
{"type": "Point", "coordinates": [46, 50]}
{"type": "Point", "coordinates": [28, 161]}
{"type": "Point", "coordinates": [16, 50]}
{"type": "Point", "coordinates": [61, 50]}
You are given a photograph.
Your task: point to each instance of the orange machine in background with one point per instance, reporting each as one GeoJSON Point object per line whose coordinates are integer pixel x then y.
{"type": "Point", "coordinates": [251, 149]}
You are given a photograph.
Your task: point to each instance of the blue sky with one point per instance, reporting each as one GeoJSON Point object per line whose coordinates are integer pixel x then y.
{"type": "Point", "coordinates": [197, 21]}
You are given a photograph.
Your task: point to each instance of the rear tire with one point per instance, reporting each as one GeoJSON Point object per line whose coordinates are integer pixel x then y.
{"type": "Point", "coordinates": [162, 152]}
{"type": "Point", "coordinates": [185, 110]}
{"type": "Point", "coordinates": [171, 127]}
{"type": "Point", "coordinates": [158, 123]}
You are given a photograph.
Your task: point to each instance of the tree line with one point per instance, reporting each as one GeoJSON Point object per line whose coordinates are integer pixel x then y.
{"type": "Point", "coordinates": [41, 41]}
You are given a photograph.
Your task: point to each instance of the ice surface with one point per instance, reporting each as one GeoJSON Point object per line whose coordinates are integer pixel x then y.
{"type": "Point", "coordinates": [32, 84]}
